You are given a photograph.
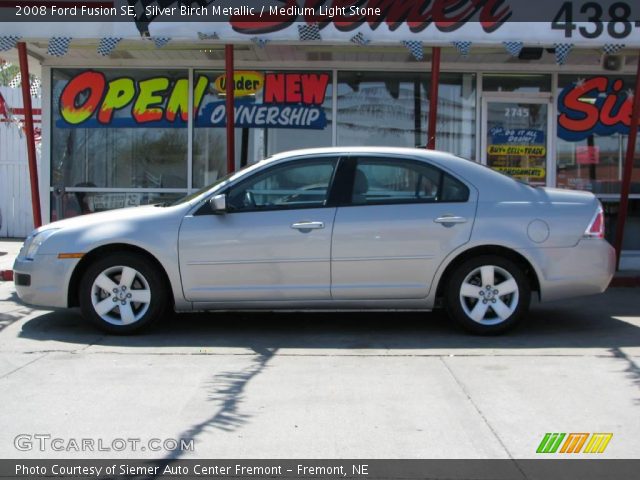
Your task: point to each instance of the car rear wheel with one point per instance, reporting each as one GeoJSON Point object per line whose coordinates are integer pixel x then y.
{"type": "Point", "coordinates": [122, 293]}
{"type": "Point", "coordinates": [488, 294]}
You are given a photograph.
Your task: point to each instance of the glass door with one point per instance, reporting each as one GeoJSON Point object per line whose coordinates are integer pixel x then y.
{"type": "Point", "coordinates": [515, 137]}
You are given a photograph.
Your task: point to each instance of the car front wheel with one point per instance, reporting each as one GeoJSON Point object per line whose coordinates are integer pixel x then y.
{"type": "Point", "coordinates": [122, 293]}
{"type": "Point", "coordinates": [488, 294]}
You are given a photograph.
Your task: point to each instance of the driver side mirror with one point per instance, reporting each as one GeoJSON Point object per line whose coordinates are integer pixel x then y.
{"type": "Point", "coordinates": [218, 204]}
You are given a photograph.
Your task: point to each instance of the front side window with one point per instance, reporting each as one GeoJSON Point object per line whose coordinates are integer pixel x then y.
{"type": "Point", "coordinates": [300, 184]}
{"type": "Point", "coordinates": [384, 181]}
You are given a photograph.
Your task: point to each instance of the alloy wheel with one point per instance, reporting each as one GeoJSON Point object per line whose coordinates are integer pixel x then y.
{"type": "Point", "coordinates": [489, 295]}
{"type": "Point", "coordinates": [120, 295]}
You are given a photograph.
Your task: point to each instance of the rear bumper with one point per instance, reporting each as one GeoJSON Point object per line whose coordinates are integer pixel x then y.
{"type": "Point", "coordinates": [48, 280]}
{"type": "Point", "coordinates": [585, 269]}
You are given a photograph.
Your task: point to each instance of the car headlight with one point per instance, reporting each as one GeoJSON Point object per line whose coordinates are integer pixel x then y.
{"type": "Point", "coordinates": [33, 242]}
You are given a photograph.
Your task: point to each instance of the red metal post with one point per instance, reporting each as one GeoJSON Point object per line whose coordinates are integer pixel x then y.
{"type": "Point", "coordinates": [433, 98]}
{"type": "Point", "coordinates": [30, 135]}
{"type": "Point", "coordinates": [628, 167]}
{"type": "Point", "coordinates": [229, 91]}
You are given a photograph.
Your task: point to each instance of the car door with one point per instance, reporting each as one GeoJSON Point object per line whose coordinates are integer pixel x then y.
{"type": "Point", "coordinates": [401, 220]}
{"type": "Point", "coordinates": [272, 244]}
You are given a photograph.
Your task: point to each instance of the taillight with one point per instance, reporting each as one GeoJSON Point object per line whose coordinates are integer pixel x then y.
{"type": "Point", "coordinates": [596, 226]}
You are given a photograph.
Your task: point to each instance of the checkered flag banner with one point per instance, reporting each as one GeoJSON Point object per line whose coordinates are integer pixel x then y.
{"type": "Point", "coordinates": [562, 52]}
{"type": "Point", "coordinates": [462, 47]}
{"type": "Point", "coordinates": [8, 42]}
{"type": "Point", "coordinates": [58, 46]}
{"type": "Point", "coordinates": [108, 45]}
{"type": "Point", "coordinates": [15, 82]}
{"type": "Point", "coordinates": [309, 32]}
{"type": "Point", "coordinates": [609, 48]}
{"type": "Point", "coordinates": [208, 36]}
{"type": "Point", "coordinates": [415, 48]}
{"type": "Point", "coordinates": [260, 42]}
{"type": "Point", "coordinates": [360, 39]}
{"type": "Point", "coordinates": [35, 87]}
{"type": "Point", "coordinates": [513, 48]}
{"type": "Point", "coordinates": [161, 41]}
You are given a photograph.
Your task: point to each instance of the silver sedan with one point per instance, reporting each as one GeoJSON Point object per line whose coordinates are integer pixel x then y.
{"type": "Point", "coordinates": [331, 228]}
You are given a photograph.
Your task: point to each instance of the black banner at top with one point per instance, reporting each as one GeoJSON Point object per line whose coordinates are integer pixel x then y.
{"type": "Point", "coordinates": [445, 13]}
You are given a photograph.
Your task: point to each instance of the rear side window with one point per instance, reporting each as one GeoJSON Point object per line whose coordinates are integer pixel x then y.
{"type": "Point", "coordinates": [453, 190]}
{"type": "Point", "coordinates": [379, 181]}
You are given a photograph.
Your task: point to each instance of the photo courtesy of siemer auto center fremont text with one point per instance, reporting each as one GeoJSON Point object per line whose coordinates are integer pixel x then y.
{"type": "Point", "coordinates": [319, 239]}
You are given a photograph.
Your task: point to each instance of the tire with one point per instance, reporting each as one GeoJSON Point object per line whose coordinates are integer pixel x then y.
{"type": "Point", "coordinates": [489, 305]}
{"type": "Point", "coordinates": [109, 301]}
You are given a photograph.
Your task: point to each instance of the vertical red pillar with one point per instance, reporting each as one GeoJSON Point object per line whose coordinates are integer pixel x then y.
{"type": "Point", "coordinates": [229, 91]}
{"type": "Point", "coordinates": [628, 167]}
{"type": "Point", "coordinates": [30, 135]}
{"type": "Point", "coordinates": [433, 98]}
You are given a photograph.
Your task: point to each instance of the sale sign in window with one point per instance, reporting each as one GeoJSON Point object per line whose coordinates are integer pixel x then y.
{"type": "Point", "coordinates": [517, 140]}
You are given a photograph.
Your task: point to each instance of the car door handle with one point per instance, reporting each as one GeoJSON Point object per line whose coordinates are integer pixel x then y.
{"type": "Point", "coordinates": [307, 225]}
{"type": "Point", "coordinates": [450, 219]}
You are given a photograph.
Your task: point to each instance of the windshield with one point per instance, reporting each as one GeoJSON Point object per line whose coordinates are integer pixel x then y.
{"type": "Point", "coordinates": [196, 194]}
{"type": "Point", "coordinates": [219, 181]}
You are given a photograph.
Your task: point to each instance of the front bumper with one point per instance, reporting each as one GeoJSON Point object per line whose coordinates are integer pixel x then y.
{"type": "Point", "coordinates": [585, 269]}
{"type": "Point", "coordinates": [49, 280]}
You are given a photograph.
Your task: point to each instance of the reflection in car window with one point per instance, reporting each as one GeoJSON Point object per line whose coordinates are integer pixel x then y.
{"type": "Point", "coordinates": [196, 194]}
{"type": "Point", "coordinates": [453, 190]}
{"type": "Point", "coordinates": [300, 184]}
{"type": "Point", "coordinates": [382, 181]}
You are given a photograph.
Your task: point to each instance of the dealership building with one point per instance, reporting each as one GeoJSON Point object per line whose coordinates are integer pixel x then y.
{"type": "Point", "coordinates": [135, 112]}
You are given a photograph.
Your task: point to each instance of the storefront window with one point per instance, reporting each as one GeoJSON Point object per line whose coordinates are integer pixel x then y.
{"type": "Point", "coordinates": [391, 109]}
{"type": "Point", "coordinates": [274, 112]}
{"type": "Point", "coordinates": [593, 125]}
{"type": "Point", "coordinates": [116, 129]}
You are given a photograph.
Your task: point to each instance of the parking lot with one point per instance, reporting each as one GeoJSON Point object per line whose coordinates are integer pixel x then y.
{"type": "Point", "coordinates": [319, 385]}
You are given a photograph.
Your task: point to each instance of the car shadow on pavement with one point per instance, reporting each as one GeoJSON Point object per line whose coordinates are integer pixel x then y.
{"type": "Point", "coordinates": [600, 322]}
{"type": "Point", "coordinates": [610, 322]}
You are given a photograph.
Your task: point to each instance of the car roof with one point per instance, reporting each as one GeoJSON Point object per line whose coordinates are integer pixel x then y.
{"type": "Point", "coordinates": [367, 150]}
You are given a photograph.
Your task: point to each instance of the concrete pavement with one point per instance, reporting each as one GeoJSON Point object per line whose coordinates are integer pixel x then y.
{"type": "Point", "coordinates": [322, 385]}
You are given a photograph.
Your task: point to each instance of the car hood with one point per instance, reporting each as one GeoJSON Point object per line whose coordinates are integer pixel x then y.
{"type": "Point", "coordinates": [149, 227]}
{"type": "Point", "coordinates": [122, 214]}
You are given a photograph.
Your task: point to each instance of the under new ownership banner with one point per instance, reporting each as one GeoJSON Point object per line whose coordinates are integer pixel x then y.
{"type": "Point", "coordinates": [103, 99]}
